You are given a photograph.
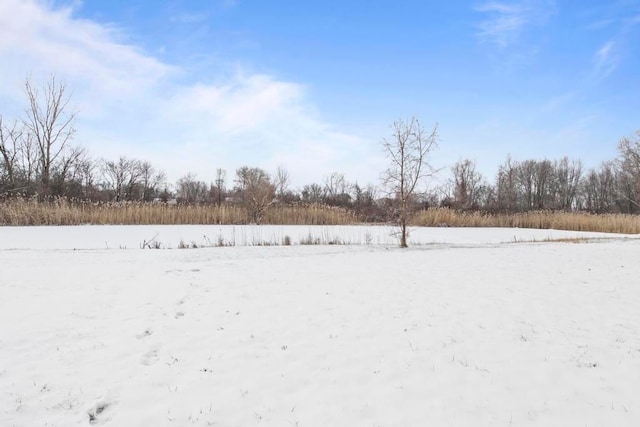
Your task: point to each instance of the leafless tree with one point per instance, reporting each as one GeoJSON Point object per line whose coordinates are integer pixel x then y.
{"type": "Point", "coordinates": [29, 161]}
{"type": "Point", "coordinates": [335, 185]}
{"type": "Point", "coordinates": [281, 182]}
{"type": "Point", "coordinates": [220, 185]}
{"type": "Point", "coordinates": [312, 193]}
{"type": "Point", "coordinates": [62, 169]}
{"type": "Point", "coordinates": [86, 172]}
{"type": "Point", "coordinates": [526, 176]}
{"type": "Point", "coordinates": [599, 188]}
{"type": "Point", "coordinates": [542, 183]}
{"type": "Point", "coordinates": [336, 191]}
{"type": "Point", "coordinates": [507, 186]}
{"type": "Point", "coordinates": [190, 190]}
{"type": "Point", "coordinates": [122, 178]}
{"type": "Point", "coordinates": [151, 180]}
{"type": "Point", "coordinates": [567, 176]}
{"type": "Point", "coordinates": [408, 151]}
{"type": "Point", "coordinates": [258, 191]}
{"type": "Point", "coordinates": [629, 172]}
{"type": "Point", "coordinates": [364, 203]}
{"type": "Point", "coordinates": [10, 137]}
{"type": "Point", "coordinates": [50, 124]}
{"type": "Point", "coordinates": [467, 184]}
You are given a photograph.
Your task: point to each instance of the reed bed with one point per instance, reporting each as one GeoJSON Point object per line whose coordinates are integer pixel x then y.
{"type": "Point", "coordinates": [571, 221]}
{"type": "Point", "coordinates": [65, 212]}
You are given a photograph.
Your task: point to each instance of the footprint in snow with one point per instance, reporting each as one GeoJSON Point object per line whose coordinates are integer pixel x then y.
{"type": "Point", "coordinates": [98, 414]}
{"type": "Point", "coordinates": [150, 357]}
{"type": "Point", "coordinates": [147, 332]}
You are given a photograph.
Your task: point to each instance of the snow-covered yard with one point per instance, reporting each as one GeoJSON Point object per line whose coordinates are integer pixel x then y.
{"type": "Point", "coordinates": [471, 327]}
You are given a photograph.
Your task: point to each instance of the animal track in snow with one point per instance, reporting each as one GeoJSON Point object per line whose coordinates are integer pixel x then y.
{"type": "Point", "coordinates": [150, 357]}
{"type": "Point", "coordinates": [96, 413]}
{"type": "Point", "coordinates": [147, 332]}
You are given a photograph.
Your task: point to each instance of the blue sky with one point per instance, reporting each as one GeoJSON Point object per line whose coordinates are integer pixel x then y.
{"type": "Point", "coordinates": [195, 85]}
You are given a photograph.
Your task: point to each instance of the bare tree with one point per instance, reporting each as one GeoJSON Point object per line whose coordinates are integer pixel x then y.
{"type": "Point", "coordinates": [312, 193]}
{"type": "Point", "coordinates": [599, 188]}
{"type": "Point", "coordinates": [542, 180]}
{"type": "Point", "coordinates": [335, 185]}
{"type": "Point", "coordinates": [567, 182]}
{"type": "Point", "coordinates": [9, 150]}
{"type": "Point", "coordinates": [507, 186]}
{"type": "Point", "coordinates": [336, 190]}
{"type": "Point", "coordinates": [86, 174]}
{"type": "Point", "coordinates": [258, 191]}
{"type": "Point", "coordinates": [50, 124]}
{"type": "Point", "coordinates": [408, 152]}
{"type": "Point", "coordinates": [220, 185]}
{"type": "Point", "coordinates": [467, 184]}
{"type": "Point", "coordinates": [62, 169]}
{"type": "Point", "coordinates": [29, 161]}
{"type": "Point", "coordinates": [190, 190]}
{"type": "Point", "coordinates": [151, 180]}
{"type": "Point", "coordinates": [629, 173]}
{"type": "Point", "coordinates": [364, 202]}
{"type": "Point", "coordinates": [526, 175]}
{"type": "Point", "coordinates": [122, 178]}
{"type": "Point", "coordinates": [281, 182]}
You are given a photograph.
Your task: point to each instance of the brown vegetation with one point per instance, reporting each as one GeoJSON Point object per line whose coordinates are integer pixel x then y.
{"type": "Point", "coordinates": [573, 221]}
{"type": "Point", "coordinates": [19, 211]}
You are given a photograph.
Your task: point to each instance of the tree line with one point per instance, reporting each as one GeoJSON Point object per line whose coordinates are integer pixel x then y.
{"type": "Point", "coordinates": [561, 185]}
{"type": "Point", "coordinates": [38, 159]}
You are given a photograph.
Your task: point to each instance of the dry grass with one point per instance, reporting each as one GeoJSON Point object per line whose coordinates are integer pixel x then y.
{"type": "Point", "coordinates": [573, 221]}
{"type": "Point", "coordinates": [63, 212]}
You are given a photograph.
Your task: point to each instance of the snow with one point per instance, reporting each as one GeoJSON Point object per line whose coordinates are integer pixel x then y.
{"type": "Point", "coordinates": [134, 236]}
{"type": "Point", "coordinates": [471, 327]}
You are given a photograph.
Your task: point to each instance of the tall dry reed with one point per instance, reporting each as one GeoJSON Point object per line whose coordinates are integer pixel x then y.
{"type": "Point", "coordinates": [65, 212]}
{"type": "Point", "coordinates": [573, 221]}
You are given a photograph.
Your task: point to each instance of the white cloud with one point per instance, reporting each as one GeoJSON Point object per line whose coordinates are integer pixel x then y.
{"type": "Point", "coordinates": [605, 60]}
{"type": "Point", "coordinates": [506, 21]}
{"type": "Point", "coordinates": [504, 25]}
{"type": "Point", "coordinates": [133, 104]}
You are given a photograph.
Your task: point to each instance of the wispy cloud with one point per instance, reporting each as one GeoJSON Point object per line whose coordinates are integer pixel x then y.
{"type": "Point", "coordinates": [190, 18]}
{"type": "Point", "coordinates": [505, 22]}
{"type": "Point", "coordinates": [558, 102]}
{"type": "Point", "coordinates": [131, 103]}
{"type": "Point", "coordinates": [605, 60]}
{"type": "Point", "coordinates": [228, 3]}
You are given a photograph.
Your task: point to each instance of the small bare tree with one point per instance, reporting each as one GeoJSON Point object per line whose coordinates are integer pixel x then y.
{"type": "Point", "coordinates": [408, 152]}
{"type": "Point", "coordinates": [258, 191]}
{"type": "Point", "coordinates": [151, 180]}
{"type": "Point", "coordinates": [312, 193]}
{"type": "Point", "coordinates": [220, 185]}
{"type": "Point", "coordinates": [281, 182]}
{"type": "Point", "coordinates": [190, 190]}
{"type": "Point", "coordinates": [122, 178]}
{"type": "Point", "coordinates": [467, 184]}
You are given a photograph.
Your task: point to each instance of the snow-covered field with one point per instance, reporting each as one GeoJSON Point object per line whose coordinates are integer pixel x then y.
{"type": "Point", "coordinates": [472, 327]}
